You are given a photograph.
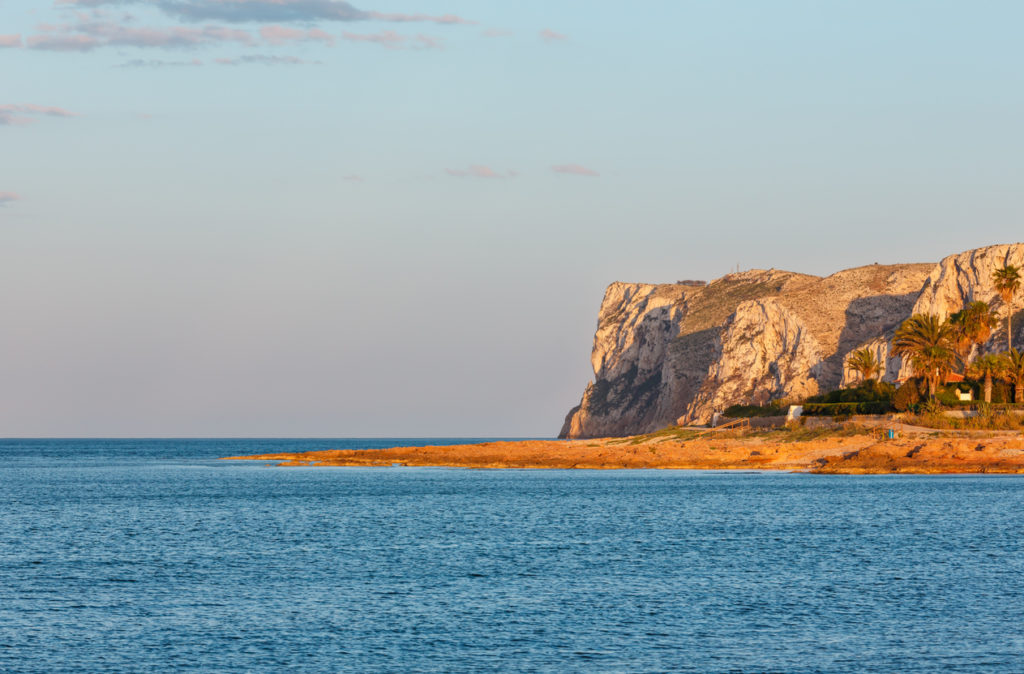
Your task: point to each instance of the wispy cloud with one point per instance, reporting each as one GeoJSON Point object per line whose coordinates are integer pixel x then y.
{"type": "Point", "coordinates": [479, 171]}
{"type": "Point", "coordinates": [496, 32]}
{"type": "Point", "coordinates": [279, 35]}
{"type": "Point", "coordinates": [277, 11]}
{"type": "Point", "coordinates": [385, 38]}
{"type": "Point", "coordinates": [549, 35]}
{"type": "Point", "coordinates": [24, 113]}
{"type": "Point", "coordinates": [262, 10]}
{"type": "Point", "coordinates": [8, 197]}
{"type": "Point", "coordinates": [157, 63]}
{"type": "Point", "coordinates": [62, 42]}
{"type": "Point", "coordinates": [392, 40]}
{"type": "Point", "coordinates": [88, 34]}
{"type": "Point", "coordinates": [574, 170]}
{"type": "Point", "coordinates": [264, 60]}
{"type": "Point", "coordinates": [240, 11]}
{"type": "Point", "coordinates": [91, 25]}
{"type": "Point", "coordinates": [445, 19]}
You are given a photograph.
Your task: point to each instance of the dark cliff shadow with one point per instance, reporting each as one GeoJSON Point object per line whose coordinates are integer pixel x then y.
{"type": "Point", "coordinates": [692, 356]}
{"type": "Point", "coordinates": [999, 334]}
{"type": "Point", "coordinates": [625, 397]}
{"type": "Point", "coordinates": [865, 319]}
{"type": "Point", "coordinates": [634, 399]}
{"type": "Point", "coordinates": [1018, 329]}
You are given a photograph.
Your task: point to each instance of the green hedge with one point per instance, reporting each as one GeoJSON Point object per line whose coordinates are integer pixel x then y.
{"type": "Point", "coordinates": [870, 391]}
{"type": "Point", "coordinates": [749, 411]}
{"type": "Point", "coordinates": [846, 409]}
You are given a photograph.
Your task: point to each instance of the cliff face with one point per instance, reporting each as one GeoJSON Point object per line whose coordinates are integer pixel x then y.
{"type": "Point", "coordinates": [766, 352]}
{"type": "Point", "coordinates": [967, 277]}
{"type": "Point", "coordinates": [678, 353]}
{"type": "Point", "coordinates": [653, 347]}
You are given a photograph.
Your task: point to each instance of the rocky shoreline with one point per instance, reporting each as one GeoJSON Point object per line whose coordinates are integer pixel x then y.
{"type": "Point", "coordinates": [848, 451]}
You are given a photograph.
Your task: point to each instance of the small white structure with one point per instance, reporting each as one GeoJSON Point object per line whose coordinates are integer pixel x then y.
{"type": "Point", "coordinates": [795, 412]}
{"type": "Point", "coordinates": [964, 396]}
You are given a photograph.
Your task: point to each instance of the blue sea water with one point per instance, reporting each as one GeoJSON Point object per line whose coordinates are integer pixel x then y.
{"type": "Point", "coordinates": [151, 555]}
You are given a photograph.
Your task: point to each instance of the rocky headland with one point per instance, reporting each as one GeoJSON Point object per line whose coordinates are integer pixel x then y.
{"type": "Point", "coordinates": [677, 353]}
{"type": "Point", "coordinates": [671, 355]}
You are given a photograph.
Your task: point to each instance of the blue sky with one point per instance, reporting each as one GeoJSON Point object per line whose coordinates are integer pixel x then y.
{"type": "Point", "coordinates": [253, 218]}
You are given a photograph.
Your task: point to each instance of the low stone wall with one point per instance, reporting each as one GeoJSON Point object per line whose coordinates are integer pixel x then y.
{"type": "Point", "coordinates": [818, 422]}
{"type": "Point", "coordinates": [967, 414]}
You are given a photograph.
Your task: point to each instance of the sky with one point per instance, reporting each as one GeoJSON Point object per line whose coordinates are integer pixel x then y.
{"type": "Point", "coordinates": [314, 218]}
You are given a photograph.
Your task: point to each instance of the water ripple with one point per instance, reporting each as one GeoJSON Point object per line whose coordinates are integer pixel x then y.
{"type": "Point", "coordinates": [151, 556]}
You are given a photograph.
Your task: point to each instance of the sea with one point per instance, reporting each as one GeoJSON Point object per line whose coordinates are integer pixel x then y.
{"type": "Point", "coordinates": [154, 556]}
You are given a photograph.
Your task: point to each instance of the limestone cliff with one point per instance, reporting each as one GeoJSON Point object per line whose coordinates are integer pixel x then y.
{"type": "Point", "coordinates": [682, 351]}
{"type": "Point", "coordinates": [771, 354]}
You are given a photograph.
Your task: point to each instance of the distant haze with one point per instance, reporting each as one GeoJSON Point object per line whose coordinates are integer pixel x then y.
{"type": "Point", "coordinates": [398, 218]}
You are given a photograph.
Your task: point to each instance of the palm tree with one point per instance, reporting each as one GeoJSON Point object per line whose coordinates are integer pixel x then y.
{"type": "Point", "coordinates": [864, 362]}
{"type": "Point", "coordinates": [927, 342]}
{"type": "Point", "coordinates": [986, 368]}
{"type": "Point", "coordinates": [1014, 373]}
{"type": "Point", "coordinates": [972, 325]}
{"type": "Point", "coordinates": [1007, 282]}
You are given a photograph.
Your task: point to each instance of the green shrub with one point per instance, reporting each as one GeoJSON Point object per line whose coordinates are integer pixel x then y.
{"type": "Point", "coordinates": [949, 396]}
{"type": "Point", "coordinates": [846, 409]}
{"type": "Point", "coordinates": [990, 422]}
{"type": "Point", "coordinates": [1001, 392]}
{"type": "Point", "coordinates": [908, 396]}
{"type": "Point", "coordinates": [870, 391]}
{"type": "Point", "coordinates": [829, 409]}
{"type": "Point", "coordinates": [748, 411]}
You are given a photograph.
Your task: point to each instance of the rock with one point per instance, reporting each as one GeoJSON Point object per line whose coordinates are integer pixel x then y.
{"type": "Point", "coordinates": [681, 352]}
{"type": "Point", "coordinates": [881, 346]}
{"type": "Point", "coordinates": [966, 277]}
{"type": "Point", "coordinates": [769, 354]}
{"type": "Point", "coordinates": [653, 347]}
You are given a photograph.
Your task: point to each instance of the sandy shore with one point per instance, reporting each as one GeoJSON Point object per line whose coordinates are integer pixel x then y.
{"type": "Point", "coordinates": [856, 453]}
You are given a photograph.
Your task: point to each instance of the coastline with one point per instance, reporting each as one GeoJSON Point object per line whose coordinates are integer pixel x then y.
{"type": "Point", "coordinates": [847, 451]}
